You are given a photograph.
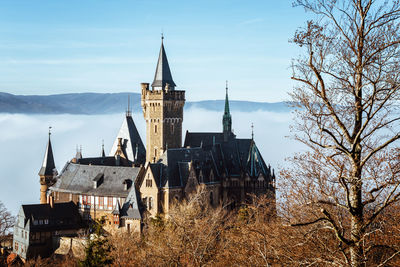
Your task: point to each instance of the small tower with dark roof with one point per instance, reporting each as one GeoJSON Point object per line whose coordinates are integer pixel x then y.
{"type": "Point", "coordinates": [227, 118]}
{"type": "Point", "coordinates": [47, 171]}
{"type": "Point", "coordinates": [163, 110]}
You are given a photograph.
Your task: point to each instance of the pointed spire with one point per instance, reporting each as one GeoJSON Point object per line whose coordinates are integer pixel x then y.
{"type": "Point", "coordinates": [163, 75]}
{"type": "Point", "coordinates": [133, 146]}
{"type": "Point", "coordinates": [226, 99]}
{"type": "Point", "coordinates": [48, 167]}
{"type": "Point", "coordinates": [78, 152]}
{"type": "Point", "coordinates": [128, 111]}
{"type": "Point", "coordinates": [103, 154]}
{"type": "Point", "coordinates": [117, 209]}
{"type": "Point", "coordinates": [227, 119]}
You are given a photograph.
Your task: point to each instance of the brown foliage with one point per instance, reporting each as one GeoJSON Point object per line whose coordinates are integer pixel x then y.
{"type": "Point", "coordinates": [196, 234]}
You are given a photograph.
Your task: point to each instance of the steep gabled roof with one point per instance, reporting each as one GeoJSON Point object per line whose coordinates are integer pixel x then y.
{"type": "Point", "coordinates": [231, 157]}
{"type": "Point", "coordinates": [48, 166]}
{"type": "Point", "coordinates": [130, 209]}
{"type": "Point", "coordinates": [62, 216]}
{"type": "Point", "coordinates": [255, 163]}
{"type": "Point", "coordinates": [132, 143]}
{"type": "Point", "coordinates": [163, 73]}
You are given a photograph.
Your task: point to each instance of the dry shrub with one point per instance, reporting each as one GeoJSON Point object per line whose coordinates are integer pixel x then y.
{"type": "Point", "coordinates": [196, 234]}
{"type": "Point", "coordinates": [190, 236]}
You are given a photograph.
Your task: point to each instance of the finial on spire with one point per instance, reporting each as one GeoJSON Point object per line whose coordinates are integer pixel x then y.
{"type": "Point", "coordinates": [103, 154]}
{"type": "Point", "coordinates": [128, 111]}
{"type": "Point", "coordinates": [49, 131]}
{"type": "Point", "coordinates": [252, 131]}
{"type": "Point", "coordinates": [162, 35]}
{"type": "Point", "coordinates": [226, 86]}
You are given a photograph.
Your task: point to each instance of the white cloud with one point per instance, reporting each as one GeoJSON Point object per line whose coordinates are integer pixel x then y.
{"type": "Point", "coordinates": [251, 21]}
{"type": "Point", "coordinates": [76, 61]}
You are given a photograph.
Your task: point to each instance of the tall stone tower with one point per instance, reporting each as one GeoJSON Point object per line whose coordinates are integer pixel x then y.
{"type": "Point", "coordinates": [163, 110]}
{"type": "Point", "coordinates": [47, 172]}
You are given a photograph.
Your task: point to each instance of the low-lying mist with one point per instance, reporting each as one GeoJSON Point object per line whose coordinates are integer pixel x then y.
{"type": "Point", "coordinates": [23, 141]}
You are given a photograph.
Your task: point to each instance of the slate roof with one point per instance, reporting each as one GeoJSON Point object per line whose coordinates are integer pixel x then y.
{"type": "Point", "coordinates": [78, 178]}
{"type": "Point", "coordinates": [130, 209]}
{"type": "Point", "coordinates": [163, 72]}
{"type": "Point", "coordinates": [62, 216]}
{"type": "Point", "coordinates": [157, 169]}
{"type": "Point", "coordinates": [48, 166]}
{"type": "Point", "coordinates": [203, 139]}
{"type": "Point", "coordinates": [233, 157]}
{"type": "Point", "coordinates": [174, 164]}
{"type": "Point", "coordinates": [132, 143]}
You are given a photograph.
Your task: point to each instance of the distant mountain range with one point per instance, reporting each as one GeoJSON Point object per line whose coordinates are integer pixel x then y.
{"type": "Point", "coordinates": [97, 103]}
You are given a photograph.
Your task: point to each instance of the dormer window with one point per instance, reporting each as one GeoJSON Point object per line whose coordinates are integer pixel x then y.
{"type": "Point", "coordinates": [127, 184]}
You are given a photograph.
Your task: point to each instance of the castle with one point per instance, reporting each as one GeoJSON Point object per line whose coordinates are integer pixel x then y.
{"type": "Point", "coordinates": [136, 180]}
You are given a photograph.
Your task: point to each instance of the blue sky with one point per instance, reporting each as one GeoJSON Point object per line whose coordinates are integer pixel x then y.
{"type": "Point", "coordinates": [53, 47]}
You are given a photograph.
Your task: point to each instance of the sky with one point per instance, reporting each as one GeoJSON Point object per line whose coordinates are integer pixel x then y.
{"type": "Point", "coordinates": [54, 47]}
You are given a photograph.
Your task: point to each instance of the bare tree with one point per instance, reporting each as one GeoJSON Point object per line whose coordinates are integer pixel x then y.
{"type": "Point", "coordinates": [6, 223]}
{"type": "Point", "coordinates": [347, 94]}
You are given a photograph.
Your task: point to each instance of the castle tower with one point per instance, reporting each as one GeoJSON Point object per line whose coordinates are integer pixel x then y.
{"type": "Point", "coordinates": [47, 171]}
{"type": "Point", "coordinates": [226, 119]}
{"type": "Point", "coordinates": [163, 110]}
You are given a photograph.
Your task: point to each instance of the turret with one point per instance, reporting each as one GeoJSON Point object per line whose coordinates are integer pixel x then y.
{"type": "Point", "coordinates": [47, 171]}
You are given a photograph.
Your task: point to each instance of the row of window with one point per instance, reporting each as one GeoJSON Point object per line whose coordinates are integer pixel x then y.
{"type": "Point", "coordinates": [257, 184]}
{"type": "Point", "coordinates": [116, 219]}
{"type": "Point", "coordinates": [23, 234]}
{"type": "Point", "coordinates": [172, 128]}
{"type": "Point", "coordinates": [148, 202]}
{"type": "Point", "coordinates": [40, 222]}
{"type": "Point", "coordinates": [40, 236]}
{"type": "Point", "coordinates": [101, 203]}
{"type": "Point", "coordinates": [17, 246]}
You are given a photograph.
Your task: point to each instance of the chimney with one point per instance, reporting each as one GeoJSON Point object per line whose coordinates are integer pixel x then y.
{"type": "Point", "coordinates": [119, 143]}
{"type": "Point", "coordinates": [145, 86]}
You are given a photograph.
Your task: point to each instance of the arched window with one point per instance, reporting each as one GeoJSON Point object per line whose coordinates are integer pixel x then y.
{"type": "Point", "coordinates": [211, 198]}
{"type": "Point", "coordinates": [155, 128]}
{"type": "Point", "coordinates": [145, 201]}
{"type": "Point", "coordinates": [150, 203]}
